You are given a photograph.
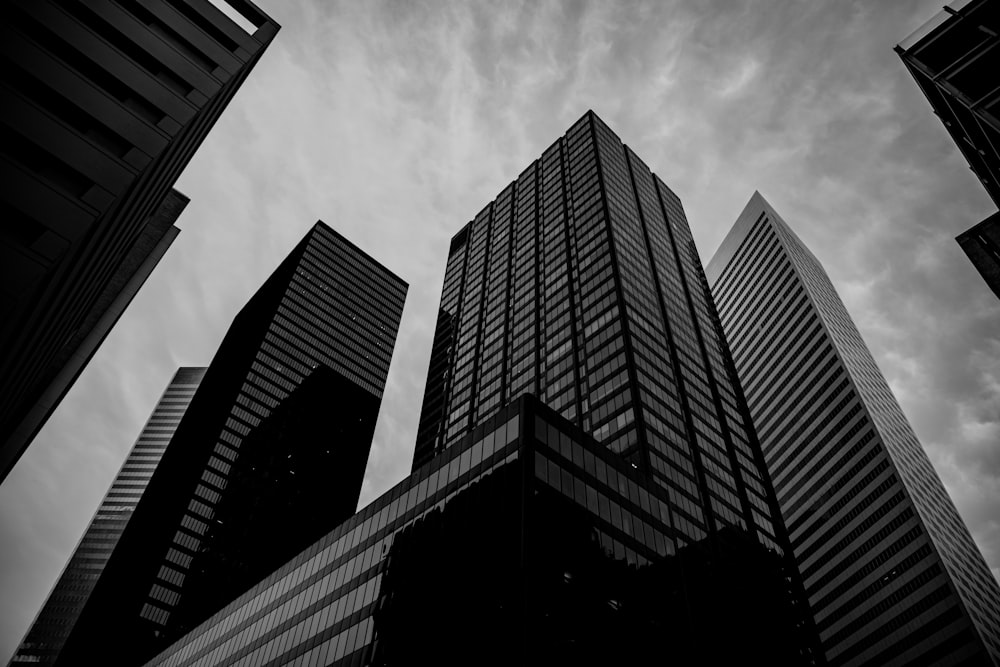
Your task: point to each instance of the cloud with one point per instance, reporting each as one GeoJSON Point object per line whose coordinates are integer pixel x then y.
{"type": "Point", "coordinates": [738, 80]}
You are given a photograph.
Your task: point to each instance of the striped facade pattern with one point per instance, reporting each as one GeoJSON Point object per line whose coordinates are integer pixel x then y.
{"type": "Point", "coordinates": [891, 572]}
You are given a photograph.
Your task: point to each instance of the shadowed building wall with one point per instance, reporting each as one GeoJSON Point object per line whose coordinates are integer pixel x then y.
{"type": "Point", "coordinates": [982, 244]}
{"type": "Point", "coordinates": [131, 273]}
{"type": "Point", "coordinates": [102, 105]}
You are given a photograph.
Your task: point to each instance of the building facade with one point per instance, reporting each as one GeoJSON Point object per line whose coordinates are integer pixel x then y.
{"type": "Point", "coordinates": [982, 244]}
{"type": "Point", "coordinates": [525, 542]}
{"type": "Point", "coordinates": [581, 284]}
{"type": "Point", "coordinates": [954, 58]}
{"type": "Point", "coordinates": [129, 275]}
{"type": "Point", "coordinates": [103, 105]}
{"type": "Point", "coordinates": [45, 638]}
{"type": "Point", "coordinates": [269, 457]}
{"type": "Point", "coordinates": [889, 567]}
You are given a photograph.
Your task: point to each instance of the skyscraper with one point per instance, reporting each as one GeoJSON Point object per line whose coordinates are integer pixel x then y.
{"type": "Point", "coordinates": [581, 284]}
{"type": "Point", "coordinates": [954, 58]}
{"type": "Point", "coordinates": [103, 105]}
{"type": "Point", "coordinates": [269, 456]}
{"type": "Point", "coordinates": [891, 572]}
{"type": "Point", "coordinates": [54, 622]}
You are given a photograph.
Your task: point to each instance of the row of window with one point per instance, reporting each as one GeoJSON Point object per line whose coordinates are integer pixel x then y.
{"type": "Point", "coordinates": [363, 265]}
{"type": "Point", "coordinates": [731, 278]}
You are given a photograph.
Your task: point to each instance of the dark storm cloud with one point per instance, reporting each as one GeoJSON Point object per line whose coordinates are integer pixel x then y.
{"type": "Point", "coordinates": [396, 122]}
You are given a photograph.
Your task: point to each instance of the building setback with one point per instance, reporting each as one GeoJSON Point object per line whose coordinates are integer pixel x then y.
{"type": "Point", "coordinates": [45, 638]}
{"type": "Point", "coordinates": [954, 58]}
{"type": "Point", "coordinates": [891, 572]}
{"type": "Point", "coordinates": [269, 456]}
{"type": "Point", "coordinates": [102, 105]}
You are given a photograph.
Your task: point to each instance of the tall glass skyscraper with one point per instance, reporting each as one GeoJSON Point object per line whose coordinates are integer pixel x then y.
{"type": "Point", "coordinates": [891, 572]}
{"type": "Point", "coordinates": [581, 284]}
{"type": "Point", "coordinates": [269, 456]}
{"type": "Point", "coordinates": [524, 543]}
{"type": "Point", "coordinates": [54, 622]}
{"type": "Point", "coordinates": [102, 105]}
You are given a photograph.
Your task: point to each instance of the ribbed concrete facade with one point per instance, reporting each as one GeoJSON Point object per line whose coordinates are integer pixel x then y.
{"type": "Point", "coordinates": [891, 572]}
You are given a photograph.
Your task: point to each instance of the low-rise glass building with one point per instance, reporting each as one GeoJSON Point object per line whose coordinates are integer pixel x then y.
{"type": "Point", "coordinates": [527, 542]}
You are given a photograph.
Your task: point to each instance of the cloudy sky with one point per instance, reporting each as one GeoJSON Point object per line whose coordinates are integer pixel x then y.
{"type": "Point", "coordinates": [395, 122]}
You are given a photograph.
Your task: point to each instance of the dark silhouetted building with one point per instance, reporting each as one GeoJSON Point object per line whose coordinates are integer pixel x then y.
{"type": "Point", "coordinates": [891, 572]}
{"type": "Point", "coordinates": [269, 456]}
{"type": "Point", "coordinates": [982, 244]}
{"type": "Point", "coordinates": [130, 274]}
{"type": "Point", "coordinates": [47, 634]}
{"type": "Point", "coordinates": [103, 105]}
{"type": "Point", "coordinates": [525, 542]}
{"type": "Point", "coordinates": [955, 59]}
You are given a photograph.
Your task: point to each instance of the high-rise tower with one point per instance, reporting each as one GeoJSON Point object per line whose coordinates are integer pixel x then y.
{"type": "Point", "coordinates": [581, 284]}
{"type": "Point", "coordinates": [45, 638]}
{"type": "Point", "coordinates": [890, 570]}
{"type": "Point", "coordinates": [102, 105]}
{"type": "Point", "coordinates": [269, 456]}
